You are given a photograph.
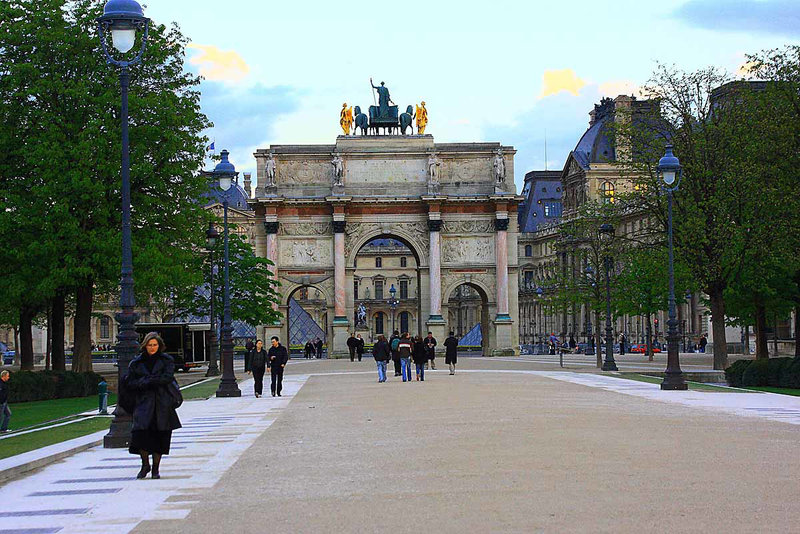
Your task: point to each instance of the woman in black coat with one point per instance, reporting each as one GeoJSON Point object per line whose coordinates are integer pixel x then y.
{"type": "Point", "coordinates": [420, 355]}
{"type": "Point", "coordinates": [150, 375]}
{"type": "Point", "coordinates": [258, 366]}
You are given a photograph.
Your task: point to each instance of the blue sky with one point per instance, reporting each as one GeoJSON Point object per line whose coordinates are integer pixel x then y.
{"type": "Point", "coordinates": [507, 71]}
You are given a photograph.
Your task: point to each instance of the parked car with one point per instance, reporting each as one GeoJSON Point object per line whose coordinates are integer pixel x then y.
{"type": "Point", "coordinates": [642, 348]}
{"type": "Point", "coordinates": [8, 357]}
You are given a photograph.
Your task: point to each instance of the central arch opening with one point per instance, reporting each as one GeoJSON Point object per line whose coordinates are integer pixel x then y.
{"type": "Point", "coordinates": [386, 288]}
{"type": "Point", "coordinates": [468, 317]}
{"type": "Point", "coordinates": [307, 320]}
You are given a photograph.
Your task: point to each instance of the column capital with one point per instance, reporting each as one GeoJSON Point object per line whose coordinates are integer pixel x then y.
{"type": "Point", "coordinates": [501, 225]}
{"type": "Point", "coordinates": [271, 227]}
{"type": "Point", "coordinates": [434, 225]}
{"type": "Point", "coordinates": [339, 227]}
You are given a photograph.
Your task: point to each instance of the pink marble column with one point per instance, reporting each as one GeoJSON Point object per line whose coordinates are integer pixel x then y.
{"type": "Point", "coordinates": [339, 279]}
{"type": "Point", "coordinates": [435, 225]}
{"type": "Point", "coordinates": [501, 266]}
{"type": "Point", "coordinates": [272, 250]}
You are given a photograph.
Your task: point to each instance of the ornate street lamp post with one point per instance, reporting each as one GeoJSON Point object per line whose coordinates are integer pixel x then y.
{"type": "Point", "coordinates": [123, 19]}
{"type": "Point", "coordinates": [211, 240]}
{"type": "Point", "coordinates": [670, 170]}
{"type": "Point", "coordinates": [224, 172]}
{"type": "Point", "coordinates": [589, 334]}
{"type": "Point", "coordinates": [393, 302]}
{"type": "Point", "coordinates": [539, 293]}
{"type": "Point", "coordinates": [607, 235]}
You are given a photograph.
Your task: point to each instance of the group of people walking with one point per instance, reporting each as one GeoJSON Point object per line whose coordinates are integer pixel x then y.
{"type": "Point", "coordinates": [404, 350]}
{"type": "Point", "coordinates": [258, 361]}
{"type": "Point", "coordinates": [313, 349]}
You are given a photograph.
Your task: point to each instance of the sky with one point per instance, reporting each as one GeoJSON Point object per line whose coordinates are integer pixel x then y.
{"type": "Point", "coordinates": [523, 73]}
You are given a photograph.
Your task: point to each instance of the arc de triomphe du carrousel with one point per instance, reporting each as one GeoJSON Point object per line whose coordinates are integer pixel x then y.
{"type": "Point", "coordinates": [453, 205]}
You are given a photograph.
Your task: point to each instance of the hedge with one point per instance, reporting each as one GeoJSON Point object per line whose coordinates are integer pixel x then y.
{"type": "Point", "coordinates": [26, 386]}
{"type": "Point", "coordinates": [774, 372]}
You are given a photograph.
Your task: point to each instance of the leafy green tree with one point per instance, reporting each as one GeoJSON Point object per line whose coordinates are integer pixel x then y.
{"type": "Point", "coordinates": [60, 163]}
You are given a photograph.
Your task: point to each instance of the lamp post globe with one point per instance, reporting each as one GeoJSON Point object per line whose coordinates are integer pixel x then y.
{"type": "Point", "coordinates": [669, 167]}
{"type": "Point", "coordinates": [607, 237]}
{"type": "Point", "coordinates": [224, 173]}
{"type": "Point", "coordinates": [123, 19]}
{"type": "Point", "coordinates": [211, 241]}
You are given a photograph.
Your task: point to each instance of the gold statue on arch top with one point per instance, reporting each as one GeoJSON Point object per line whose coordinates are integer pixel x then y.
{"type": "Point", "coordinates": [384, 117]}
{"type": "Point", "coordinates": [346, 118]}
{"type": "Point", "coordinates": [422, 118]}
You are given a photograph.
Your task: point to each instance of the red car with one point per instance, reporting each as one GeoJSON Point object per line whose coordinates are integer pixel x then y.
{"type": "Point", "coordinates": [642, 349]}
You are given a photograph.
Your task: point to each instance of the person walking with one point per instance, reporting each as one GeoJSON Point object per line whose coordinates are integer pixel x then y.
{"type": "Point", "coordinates": [622, 343]}
{"type": "Point", "coordinates": [150, 377]}
{"type": "Point", "coordinates": [404, 348]}
{"type": "Point", "coordinates": [352, 343]}
{"type": "Point", "coordinates": [394, 342]}
{"type": "Point", "coordinates": [318, 347]}
{"type": "Point", "coordinates": [277, 358]}
{"type": "Point", "coordinates": [359, 347]}
{"type": "Point", "coordinates": [258, 362]}
{"type": "Point", "coordinates": [308, 350]}
{"type": "Point", "coordinates": [451, 352]}
{"type": "Point", "coordinates": [420, 356]}
{"type": "Point", "coordinates": [5, 414]}
{"type": "Point", "coordinates": [380, 351]}
{"type": "Point", "coordinates": [703, 343]}
{"type": "Point", "coordinates": [430, 348]}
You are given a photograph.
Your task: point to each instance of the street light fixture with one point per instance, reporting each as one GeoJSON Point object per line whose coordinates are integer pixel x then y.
{"type": "Point", "coordinates": [539, 293]}
{"type": "Point", "coordinates": [607, 236]}
{"type": "Point", "coordinates": [211, 240]}
{"type": "Point", "coordinates": [123, 19]}
{"type": "Point", "coordinates": [224, 172]}
{"type": "Point", "coordinates": [589, 335]}
{"type": "Point", "coordinates": [670, 170]}
{"type": "Point", "coordinates": [393, 302]}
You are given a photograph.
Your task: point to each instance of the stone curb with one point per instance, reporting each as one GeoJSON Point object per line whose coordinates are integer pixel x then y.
{"type": "Point", "coordinates": [21, 464]}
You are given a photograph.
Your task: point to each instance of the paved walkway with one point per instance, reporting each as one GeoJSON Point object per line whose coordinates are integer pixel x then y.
{"type": "Point", "coordinates": [494, 448]}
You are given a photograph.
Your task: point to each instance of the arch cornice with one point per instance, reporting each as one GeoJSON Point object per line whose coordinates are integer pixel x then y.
{"type": "Point", "coordinates": [410, 234]}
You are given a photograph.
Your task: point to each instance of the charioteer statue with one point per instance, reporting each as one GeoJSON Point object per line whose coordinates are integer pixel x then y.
{"type": "Point", "coordinates": [383, 115]}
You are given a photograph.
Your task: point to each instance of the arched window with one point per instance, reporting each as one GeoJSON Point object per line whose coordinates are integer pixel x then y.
{"type": "Point", "coordinates": [379, 323]}
{"type": "Point", "coordinates": [404, 320]}
{"type": "Point", "coordinates": [378, 262]}
{"type": "Point", "coordinates": [528, 251]}
{"type": "Point", "coordinates": [105, 328]}
{"type": "Point", "coordinates": [608, 192]}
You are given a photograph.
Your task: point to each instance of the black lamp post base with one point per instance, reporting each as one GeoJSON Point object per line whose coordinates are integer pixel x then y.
{"type": "Point", "coordinates": [674, 383]}
{"type": "Point", "coordinates": [212, 371]}
{"type": "Point", "coordinates": [609, 366]}
{"type": "Point", "coordinates": [119, 433]}
{"type": "Point", "coordinates": [227, 389]}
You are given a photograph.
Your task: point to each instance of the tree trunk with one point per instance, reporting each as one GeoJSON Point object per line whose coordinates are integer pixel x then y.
{"type": "Point", "coordinates": [797, 331]}
{"type": "Point", "coordinates": [746, 347]}
{"type": "Point", "coordinates": [599, 340]}
{"type": "Point", "coordinates": [16, 345]}
{"type": "Point", "coordinates": [49, 341]}
{"type": "Point", "coordinates": [718, 329]}
{"type": "Point", "coordinates": [82, 353]}
{"type": "Point", "coordinates": [762, 350]}
{"type": "Point", "coordinates": [26, 316]}
{"type": "Point", "coordinates": [775, 334]}
{"type": "Point", "coordinates": [648, 338]}
{"type": "Point", "coordinates": [57, 307]}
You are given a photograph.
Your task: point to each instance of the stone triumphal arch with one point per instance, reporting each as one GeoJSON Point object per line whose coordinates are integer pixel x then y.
{"type": "Point", "coordinates": [452, 205]}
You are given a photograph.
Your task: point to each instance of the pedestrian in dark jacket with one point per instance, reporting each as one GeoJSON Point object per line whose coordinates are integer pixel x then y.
{"type": "Point", "coordinates": [258, 363]}
{"type": "Point", "coordinates": [405, 347]}
{"type": "Point", "coordinates": [380, 351]}
{"type": "Point", "coordinates": [352, 343]}
{"type": "Point", "coordinates": [277, 358]}
{"type": "Point", "coordinates": [149, 377]}
{"type": "Point", "coordinates": [420, 357]}
{"type": "Point", "coordinates": [309, 349]}
{"type": "Point", "coordinates": [451, 352]}
{"type": "Point", "coordinates": [430, 349]}
{"type": "Point", "coordinates": [359, 347]}
{"type": "Point", "coordinates": [5, 414]}
{"type": "Point", "coordinates": [318, 347]}
{"type": "Point", "coordinates": [395, 352]}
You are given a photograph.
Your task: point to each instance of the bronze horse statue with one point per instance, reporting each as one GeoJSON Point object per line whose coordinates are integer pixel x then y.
{"type": "Point", "coordinates": [361, 121]}
{"type": "Point", "coordinates": [406, 120]}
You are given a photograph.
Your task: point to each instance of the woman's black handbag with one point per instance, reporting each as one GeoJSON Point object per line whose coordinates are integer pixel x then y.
{"type": "Point", "coordinates": [175, 394]}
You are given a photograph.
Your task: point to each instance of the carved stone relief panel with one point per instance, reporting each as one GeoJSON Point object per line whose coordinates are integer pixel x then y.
{"type": "Point", "coordinates": [317, 252]}
{"type": "Point", "coordinates": [468, 227]}
{"type": "Point", "coordinates": [466, 170]}
{"type": "Point", "coordinates": [306, 229]}
{"type": "Point", "coordinates": [304, 172]}
{"type": "Point", "coordinates": [467, 250]}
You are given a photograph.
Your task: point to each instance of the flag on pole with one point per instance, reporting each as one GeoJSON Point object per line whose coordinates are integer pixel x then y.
{"type": "Point", "coordinates": [210, 148]}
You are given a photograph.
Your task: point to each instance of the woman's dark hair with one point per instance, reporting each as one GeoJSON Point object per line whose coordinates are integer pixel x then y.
{"type": "Point", "coordinates": [381, 338]}
{"type": "Point", "coordinates": [153, 335]}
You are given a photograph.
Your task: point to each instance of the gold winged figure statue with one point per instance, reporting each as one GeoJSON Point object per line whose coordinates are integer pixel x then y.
{"type": "Point", "coordinates": [346, 118]}
{"type": "Point", "coordinates": [422, 118]}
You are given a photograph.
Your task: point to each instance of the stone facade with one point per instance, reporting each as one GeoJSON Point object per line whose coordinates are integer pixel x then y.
{"type": "Point", "coordinates": [459, 224]}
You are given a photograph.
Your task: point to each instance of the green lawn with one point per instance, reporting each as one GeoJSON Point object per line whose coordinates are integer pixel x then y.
{"type": "Point", "coordinates": [781, 391]}
{"type": "Point", "coordinates": [693, 386]}
{"type": "Point", "coordinates": [27, 442]}
{"type": "Point", "coordinates": [28, 414]}
{"type": "Point", "coordinates": [202, 391]}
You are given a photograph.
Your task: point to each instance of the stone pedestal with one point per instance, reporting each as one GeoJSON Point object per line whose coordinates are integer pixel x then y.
{"type": "Point", "coordinates": [275, 329]}
{"type": "Point", "coordinates": [504, 337]}
{"type": "Point", "coordinates": [338, 348]}
{"type": "Point", "coordinates": [438, 328]}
